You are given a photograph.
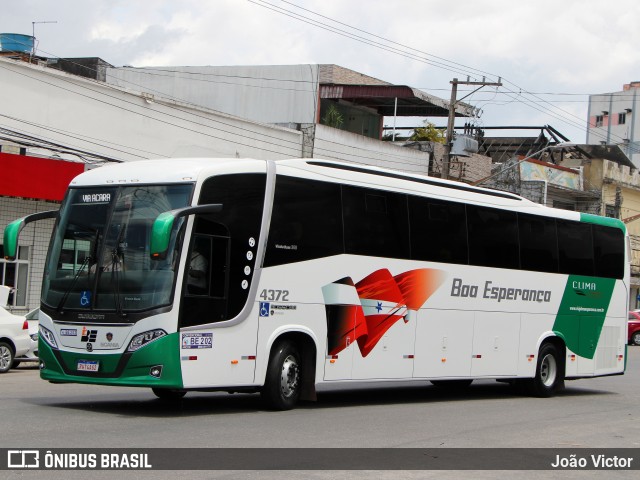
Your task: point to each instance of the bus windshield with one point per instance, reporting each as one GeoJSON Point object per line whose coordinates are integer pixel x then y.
{"type": "Point", "coordinates": [99, 255]}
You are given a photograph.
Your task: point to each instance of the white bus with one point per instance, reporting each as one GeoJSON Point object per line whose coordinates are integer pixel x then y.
{"type": "Point", "coordinates": [277, 277]}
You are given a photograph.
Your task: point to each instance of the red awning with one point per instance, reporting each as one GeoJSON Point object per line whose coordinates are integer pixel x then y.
{"type": "Point", "coordinates": [33, 177]}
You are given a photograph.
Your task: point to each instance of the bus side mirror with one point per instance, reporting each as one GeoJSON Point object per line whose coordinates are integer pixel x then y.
{"type": "Point", "coordinates": [163, 227]}
{"type": "Point", "coordinates": [12, 231]}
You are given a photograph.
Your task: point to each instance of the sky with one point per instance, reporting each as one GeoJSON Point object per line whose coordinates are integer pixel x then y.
{"type": "Point", "coordinates": [549, 55]}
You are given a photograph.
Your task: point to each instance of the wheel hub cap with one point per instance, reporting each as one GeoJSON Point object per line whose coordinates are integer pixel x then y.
{"type": "Point", "coordinates": [289, 377]}
{"type": "Point", "coordinates": [548, 370]}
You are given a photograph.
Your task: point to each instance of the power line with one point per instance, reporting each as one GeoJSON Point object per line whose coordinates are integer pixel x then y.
{"type": "Point", "coordinates": [422, 52]}
{"type": "Point", "coordinates": [85, 138]}
{"type": "Point", "coordinates": [554, 111]}
{"type": "Point", "coordinates": [357, 38]}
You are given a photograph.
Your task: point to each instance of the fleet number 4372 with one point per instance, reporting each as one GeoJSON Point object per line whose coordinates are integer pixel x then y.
{"type": "Point", "coordinates": [274, 295]}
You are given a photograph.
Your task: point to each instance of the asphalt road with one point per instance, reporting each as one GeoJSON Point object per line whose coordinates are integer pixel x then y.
{"type": "Point", "coordinates": [594, 413]}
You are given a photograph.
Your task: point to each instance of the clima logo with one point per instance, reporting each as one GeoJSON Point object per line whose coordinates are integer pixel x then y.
{"type": "Point", "coordinates": [23, 459]}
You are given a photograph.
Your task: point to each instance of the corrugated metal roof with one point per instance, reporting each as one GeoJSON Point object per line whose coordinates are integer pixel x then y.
{"type": "Point", "coordinates": [411, 101]}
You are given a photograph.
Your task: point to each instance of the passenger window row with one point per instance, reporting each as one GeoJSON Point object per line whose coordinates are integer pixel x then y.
{"type": "Point", "coordinates": [313, 219]}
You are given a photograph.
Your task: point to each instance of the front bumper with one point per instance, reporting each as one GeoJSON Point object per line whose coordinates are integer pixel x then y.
{"type": "Point", "coordinates": [120, 369]}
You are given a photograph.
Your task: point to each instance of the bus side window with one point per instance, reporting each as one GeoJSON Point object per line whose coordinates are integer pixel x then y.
{"type": "Point", "coordinates": [376, 223]}
{"type": "Point", "coordinates": [306, 222]}
{"type": "Point", "coordinates": [538, 243]}
{"type": "Point", "coordinates": [198, 271]}
{"type": "Point", "coordinates": [493, 237]}
{"type": "Point", "coordinates": [575, 245]}
{"type": "Point", "coordinates": [608, 246]}
{"type": "Point", "coordinates": [438, 231]}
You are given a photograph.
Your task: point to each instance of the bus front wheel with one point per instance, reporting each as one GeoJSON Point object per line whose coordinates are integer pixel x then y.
{"type": "Point", "coordinates": [283, 382]}
{"type": "Point", "coordinates": [549, 373]}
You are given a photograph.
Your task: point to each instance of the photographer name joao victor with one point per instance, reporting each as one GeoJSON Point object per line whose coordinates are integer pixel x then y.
{"type": "Point", "coordinates": [592, 461]}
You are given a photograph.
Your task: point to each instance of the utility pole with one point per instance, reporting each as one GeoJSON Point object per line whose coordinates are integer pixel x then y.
{"type": "Point", "coordinates": [446, 161]}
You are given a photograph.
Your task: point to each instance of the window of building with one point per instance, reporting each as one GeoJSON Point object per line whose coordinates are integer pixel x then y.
{"type": "Point", "coordinates": [599, 120]}
{"type": "Point", "coordinates": [611, 211]}
{"type": "Point", "coordinates": [622, 118]}
{"type": "Point", "coordinates": [15, 275]}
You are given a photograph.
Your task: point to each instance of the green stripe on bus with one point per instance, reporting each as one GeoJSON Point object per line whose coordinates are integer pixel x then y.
{"type": "Point", "coordinates": [582, 313]}
{"type": "Point", "coordinates": [604, 221]}
{"type": "Point", "coordinates": [164, 351]}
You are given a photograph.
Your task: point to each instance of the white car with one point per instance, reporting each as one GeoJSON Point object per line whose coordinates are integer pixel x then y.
{"type": "Point", "coordinates": [14, 338]}
{"type": "Point", "coordinates": [32, 355]}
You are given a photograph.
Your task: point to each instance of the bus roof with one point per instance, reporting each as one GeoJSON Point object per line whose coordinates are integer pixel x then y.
{"type": "Point", "coordinates": [376, 177]}
{"type": "Point", "coordinates": [170, 170]}
{"type": "Point", "coordinates": [180, 170]}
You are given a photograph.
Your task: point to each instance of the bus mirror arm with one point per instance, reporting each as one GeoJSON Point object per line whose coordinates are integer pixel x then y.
{"type": "Point", "coordinates": [12, 231]}
{"type": "Point", "coordinates": [164, 224]}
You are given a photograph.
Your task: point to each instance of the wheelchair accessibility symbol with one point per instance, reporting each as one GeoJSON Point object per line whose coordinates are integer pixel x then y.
{"type": "Point", "coordinates": [85, 298]}
{"type": "Point", "coordinates": [264, 309]}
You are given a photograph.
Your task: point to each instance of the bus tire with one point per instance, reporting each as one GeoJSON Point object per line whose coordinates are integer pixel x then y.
{"type": "Point", "coordinates": [452, 384]}
{"type": "Point", "coordinates": [168, 394]}
{"type": "Point", "coordinates": [283, 382]}
{"type": "Point", "coordinates": [549, 373]}
{"type": "Point", "coordinates": [6, 357]}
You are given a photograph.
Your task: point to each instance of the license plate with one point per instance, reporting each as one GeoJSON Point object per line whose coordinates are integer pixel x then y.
{"type": "Point", "coordinates": [88, 365]}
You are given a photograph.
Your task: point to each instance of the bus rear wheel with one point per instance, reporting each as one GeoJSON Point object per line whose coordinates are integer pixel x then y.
{"type": "Point", "coordinates": [168, 394]}
{"type": "Point", "coordinates": [283, 382]}
{"type": "Point", "coordinates": [549, 373]}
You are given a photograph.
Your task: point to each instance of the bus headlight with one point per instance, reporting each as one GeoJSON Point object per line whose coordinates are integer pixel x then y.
{"type": "Point", "coordinates": [48, 336]}
{"type": "Point", "coordinates": [144, 338]}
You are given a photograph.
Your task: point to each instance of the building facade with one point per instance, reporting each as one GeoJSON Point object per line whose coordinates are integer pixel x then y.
{"type": "Point", "coordinates": [613, 120]}
{"type": "Point", "coordinates": [30, 185]}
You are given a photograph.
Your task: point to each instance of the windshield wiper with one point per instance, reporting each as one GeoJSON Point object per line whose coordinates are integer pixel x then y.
{"type": "Point", "coordinates": [117, 262]}
{"type": "Point", "coordinates": [73, 284]}
{"type": "Point", "coordinates": [87, 260]}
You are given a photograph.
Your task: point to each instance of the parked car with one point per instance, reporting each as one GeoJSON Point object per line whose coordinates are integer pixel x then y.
{"type": "Point", "coordinates": [32, 355]}
{"type": "Point", "coordinates": [14, 338]}
{"type": "Point", "coordinates": [634, 327]}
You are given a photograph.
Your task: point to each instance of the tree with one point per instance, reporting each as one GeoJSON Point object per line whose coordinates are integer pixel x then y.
{"type": "Point", "coordinates": [333, 117]}
{"type": "Point", "coordinates": [428, 133]}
